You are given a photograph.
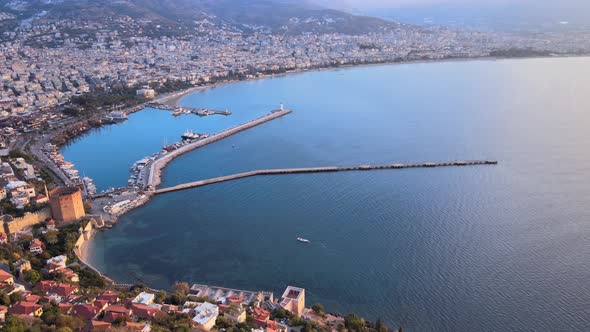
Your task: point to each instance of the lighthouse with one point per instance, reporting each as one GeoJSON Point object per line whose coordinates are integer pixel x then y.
{"type": "Point", "coordinates": [281, 107]}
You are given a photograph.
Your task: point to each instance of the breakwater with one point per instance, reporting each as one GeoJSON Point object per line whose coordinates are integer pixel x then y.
{"type": "Point", "coordinates": [323, 170]}
{"type": "Point", "coordinates": [155, 168]}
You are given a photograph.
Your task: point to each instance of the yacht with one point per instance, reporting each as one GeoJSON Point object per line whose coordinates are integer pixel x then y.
{"type": "Point", "coordinates": [300, 239]}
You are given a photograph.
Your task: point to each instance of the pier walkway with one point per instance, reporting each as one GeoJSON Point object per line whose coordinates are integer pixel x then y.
{"type": "Point", "coordinates": [153, 180]}
{"type": "Point", "coordinates": [321, 170]}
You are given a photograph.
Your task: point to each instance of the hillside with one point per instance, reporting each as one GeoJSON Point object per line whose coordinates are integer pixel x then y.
{"type": "Point", "coordinates": [277, 16]}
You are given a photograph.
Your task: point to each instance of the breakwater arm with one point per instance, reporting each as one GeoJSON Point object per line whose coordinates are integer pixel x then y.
{"type": "Point", "coordinates": [322, 170]}
{"type": "Point", "coordinates": [155, 168]}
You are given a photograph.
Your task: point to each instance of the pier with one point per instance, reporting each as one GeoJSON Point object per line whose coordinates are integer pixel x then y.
{"type": "Point", "coordinates": [232, 177]}
{"type": "Point", "coordinates": [153, 180]}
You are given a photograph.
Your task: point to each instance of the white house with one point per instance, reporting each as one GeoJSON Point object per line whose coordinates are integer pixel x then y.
{"type": "Point", "coordinates": [205, 315]}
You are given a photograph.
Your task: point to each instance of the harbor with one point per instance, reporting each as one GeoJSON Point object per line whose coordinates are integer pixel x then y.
{"type": "Point", "coordinates": [156, 166]}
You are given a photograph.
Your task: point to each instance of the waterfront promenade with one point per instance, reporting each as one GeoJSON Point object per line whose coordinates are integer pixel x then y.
{"type": "Point", "coordinates": [237, 176]}
{"type": "Point", "coordinates": [155, 168]}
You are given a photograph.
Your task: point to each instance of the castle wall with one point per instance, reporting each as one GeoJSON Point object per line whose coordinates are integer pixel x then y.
{"type": "Point", "coordinates": [28, 220]}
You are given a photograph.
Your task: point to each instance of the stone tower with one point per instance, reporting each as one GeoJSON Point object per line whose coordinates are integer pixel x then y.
{"type": "Point", "coordinates": [66, 204]}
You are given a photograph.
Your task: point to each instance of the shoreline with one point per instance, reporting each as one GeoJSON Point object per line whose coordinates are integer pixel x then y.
{"type": "Point", "coordinates": [177, 97]}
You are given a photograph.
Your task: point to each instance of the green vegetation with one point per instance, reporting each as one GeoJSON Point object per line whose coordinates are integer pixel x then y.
{"type": "Point", "coordinates": [91, 102]}
{"type": "Point", "coordinates": [318, 309]}
{"type": "Point", "coordinates": [519, 53]}
{"type": "Point", "coordinates": [32, 276]}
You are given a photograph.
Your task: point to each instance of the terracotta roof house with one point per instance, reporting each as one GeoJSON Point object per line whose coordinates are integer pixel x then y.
{"type": "Point", "coordinates": [96, 325]}
{"type": "Point", "coordinates": [86, 311]}
{"type": "Point", "coordinates": [110, 317]}
{"type": "Point", "coordinates": [110, 296]}
{"type": "Point", "coordinates": [118, 309]}
{"type": "Point", "coordinates": [32, 298]}
{"type": "Point", "coordinates": [144, 311]}
{"type": "Point", "coordinates": [36, 246]}
{"type": "Point", "coordinates": [65, 308]}
{"type": "Point", "coordinates": [6, 278]}
{"type": "Point", "coordinates": [26, 308]}
{"type": "Point", "coordinates": [261, 317]}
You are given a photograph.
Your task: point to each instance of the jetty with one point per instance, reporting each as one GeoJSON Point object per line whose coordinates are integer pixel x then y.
{"type": "Point", "coordinates": [155, 168]}
{"type": "Point", "coordinates": [282, 171]}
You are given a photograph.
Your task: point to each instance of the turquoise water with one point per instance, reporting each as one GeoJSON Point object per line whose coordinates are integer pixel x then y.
{"type": "Point", "coordinates": [444, 249]}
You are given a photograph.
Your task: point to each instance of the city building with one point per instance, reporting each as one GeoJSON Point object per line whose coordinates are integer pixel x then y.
{"type": "Point", "coordinates": [293, 300]}
{"type": "Point", "coordinates": [144, 298]}
{"type": "Point", "coordinates": [27, 309]}
{"type": "Point", "coordinates": [205, 315]}
{"type": "Point", "coordinates": [36, 246]}
{"type": "Point", "coordinates": [6, 278]}
{"type": "Point", "coordinates": [66, 204]}
{"type": "Point", "coordinates": [21, 266]}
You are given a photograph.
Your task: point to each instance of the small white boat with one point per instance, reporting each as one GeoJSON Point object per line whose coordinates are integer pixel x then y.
{"type": "Point", "coordinates": [300, 239]}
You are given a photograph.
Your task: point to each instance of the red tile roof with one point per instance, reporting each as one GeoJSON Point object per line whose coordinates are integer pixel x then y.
{"type": "Point", "coordinates": [23, 308]}
{"type": "Point", "coordinates": [118, 309]}
{"type": "Point", "coordinates": [112, 316]}
{"type": "Point", "coordinates": [32, 298]}
{"type": "Point", "coordinates": [64, 308]}
{"type": "Point", "coordinates": [96, 325]}
{"type": "Point", "coordinates": [144, 311]}
{"type": "Point", "coordinates": [87, 311]}
{"type": "Point", "coordinates": [109, 296]}
{"type": "Point", "coordinates": [135, 326]}
{"type": "Point", "coordinates": [4, 276]}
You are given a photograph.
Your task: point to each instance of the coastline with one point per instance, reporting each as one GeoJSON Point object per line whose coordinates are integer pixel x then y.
{"type": "Point", "coordinates": [178, 96]}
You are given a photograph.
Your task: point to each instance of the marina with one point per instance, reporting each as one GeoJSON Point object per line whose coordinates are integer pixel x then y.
{"type": "Point", "coordinates": [182, 110]}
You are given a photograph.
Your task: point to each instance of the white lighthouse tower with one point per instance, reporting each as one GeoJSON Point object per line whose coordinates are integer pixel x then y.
{"type": "Point", "coordinates": [281, 107]}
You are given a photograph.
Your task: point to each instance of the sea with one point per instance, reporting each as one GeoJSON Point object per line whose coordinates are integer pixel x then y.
{"type": "Point", "coordinates": [482, 248]}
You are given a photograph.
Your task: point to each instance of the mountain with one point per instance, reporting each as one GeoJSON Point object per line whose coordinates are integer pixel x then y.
{"type": "Point", "coordinates": [278, 16]}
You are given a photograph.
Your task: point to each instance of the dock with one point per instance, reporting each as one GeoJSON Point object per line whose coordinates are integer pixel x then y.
{"type": "Point", "coordinates": [283, 171]}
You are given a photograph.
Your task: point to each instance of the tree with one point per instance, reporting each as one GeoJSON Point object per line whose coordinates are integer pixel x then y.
{"type": "Point", "coordinates": [16, 297]}
{"type": "Point", "coordinates": [160, 297]}
{"type": "Point", "coordinates": [70, 242]}
{"type": "Point", "coordinates": [32, 276]}
{"type": "Point", "coordinates": [222, 322]}
{"type": "Point", "coordinates": [278, 313]}
{"type": "Point", "coordinates": [380, 327]}
{"type": "Point", "coordinates": [4, 299]}
{"type": "Point", "coordinates": [318, 309]}
{"type": "Point", "coordinates": [354, 322]}
{"type": "Point", "coordinates": [14, 324]}
{"type": "Point", "coordinates": [51, 237]}
{"type": "Point", "coordinates": [181, 288]}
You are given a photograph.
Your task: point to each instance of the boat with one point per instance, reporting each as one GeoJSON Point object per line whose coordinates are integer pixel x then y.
{"type": "Point", "coordinates": [189, 135]}
{"type": "Point", "coordinates": [300, 239]}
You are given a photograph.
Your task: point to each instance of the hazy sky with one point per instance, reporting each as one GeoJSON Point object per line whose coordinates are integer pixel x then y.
{"type": "Point", "coordinates": [478, 3]}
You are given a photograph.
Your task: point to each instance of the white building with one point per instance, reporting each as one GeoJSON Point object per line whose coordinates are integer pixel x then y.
{"type": "Point", "coordinates": [144, 298]}
{"type": "Point", "coordinates": [293, 300]}
{"type": "Point", "coordinates": [206, 315]}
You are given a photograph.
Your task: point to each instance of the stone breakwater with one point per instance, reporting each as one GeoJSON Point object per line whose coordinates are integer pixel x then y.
{"type": "Point", "coordinates": [154, 178]}
{"type": "Point", "coordinates": [237, 176]}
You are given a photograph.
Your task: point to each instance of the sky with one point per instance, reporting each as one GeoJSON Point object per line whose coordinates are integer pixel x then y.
{"type": "Point", "coordinates": [493, 14]}
{"type": "Point", "coordinates": [478, 3]}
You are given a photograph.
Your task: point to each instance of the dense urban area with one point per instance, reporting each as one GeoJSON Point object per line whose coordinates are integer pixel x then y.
{"type": "Point", "coordinates": [64, 75]}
